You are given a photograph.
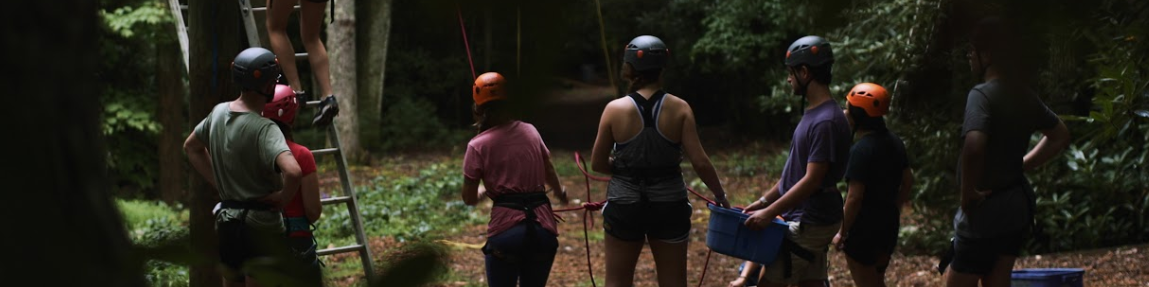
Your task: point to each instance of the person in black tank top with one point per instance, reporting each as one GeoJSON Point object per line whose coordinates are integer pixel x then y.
{"type": "Point", "coordinates": [642, 139]}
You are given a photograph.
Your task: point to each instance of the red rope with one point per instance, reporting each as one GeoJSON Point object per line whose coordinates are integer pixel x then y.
{"type": "Point", "coordinates": [588, 218]}
{"type": "Point", "coordinates": [704, 266]}
{"type": "Point", "coordinates": [465, 42]}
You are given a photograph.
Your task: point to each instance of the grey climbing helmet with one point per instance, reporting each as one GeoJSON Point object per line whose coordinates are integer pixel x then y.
{"type": "Point", "coordinates": [812, 51]}
{"type": "Point", "coordinates": [255, 69]}
{"type": "Point", "coordinates": [646, 52]}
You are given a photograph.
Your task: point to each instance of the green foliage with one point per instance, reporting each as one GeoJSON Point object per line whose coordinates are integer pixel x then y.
{"type": "Point", "coordinates": [408, 208]}
{"type": "Point", "coordinates": [129, 21]}
{"type": "Point", "coordinates": [151, 222]}
{"type": "Point", "coordinates": [411, 123]}
{"type": "Point", "coordinates": [160, 234]}
{"type": "Point", "coordinates": [128, 40]}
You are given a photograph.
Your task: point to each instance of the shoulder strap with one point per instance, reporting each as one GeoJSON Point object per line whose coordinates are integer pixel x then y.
{"type": "Point", "coordinates": [646, 108]}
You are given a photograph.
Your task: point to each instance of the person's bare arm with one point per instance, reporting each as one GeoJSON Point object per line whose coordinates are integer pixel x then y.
{"type": "Point", "coordinates": [699, 160]}
{"type": "Point", "coordinates": [972, 162]}
{"type": "Point", "coordinates": [1053, 141]}
{"type": "Point", "coordinates": [200, 158]}
{"type": "Point", "coordinates": [770, 196]}
{"type": "Point", "coordinates": [600, 154]}
{"type": "Point", "coordinates": [292, 176]}
{"type": "Point", "coordinates": [311, 205]}
{"type": "Point", "coordinates": [906, 187]}
{"type": "Point", "coordinates": [470, 191]}
{"type": "Point", "coordinates": [552, 180]}
{"type": "Point", "coordinates": [856, 191]}
{"type": "Point", "coordinates": [807, 186]}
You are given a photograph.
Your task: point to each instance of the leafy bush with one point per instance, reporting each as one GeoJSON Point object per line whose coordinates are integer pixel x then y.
{"type": "Point", "coordinates": [411, 123]}
{"type": "Point", "coordinates": [128, 40]}
{"type": "Point", "coordinates": [408, 208]}
{"type": "Point", "coordinates": [155, 228]}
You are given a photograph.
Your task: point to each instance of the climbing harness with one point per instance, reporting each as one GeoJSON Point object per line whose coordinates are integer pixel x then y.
{"type": "Point", "coordinates": [590, 206]}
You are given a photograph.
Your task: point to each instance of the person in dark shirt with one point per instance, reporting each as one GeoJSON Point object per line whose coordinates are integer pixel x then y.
{"type": "Point", "coordinates": [805, 195]}
{"type": "Point", "coordinates": [997, 202]}
{"type": "Point", "coordinates": [879, 179]}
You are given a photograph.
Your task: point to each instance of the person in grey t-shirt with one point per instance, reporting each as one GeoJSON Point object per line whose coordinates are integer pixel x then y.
{"type": "Point", "coordinates": [996, 200]}
{"type": "Point", "coordinates": [245, 157]}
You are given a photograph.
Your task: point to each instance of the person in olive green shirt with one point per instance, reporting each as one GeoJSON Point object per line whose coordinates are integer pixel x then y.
{"type": "Point", "coordinates": [246, 158]}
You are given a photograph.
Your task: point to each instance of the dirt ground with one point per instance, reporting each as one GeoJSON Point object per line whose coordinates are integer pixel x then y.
{"type": "Point", "coordinates": [1109, 267]}
{"type": "Point", "coordinates": [1121, 266]}
{"type": "Point", "coordinates": [570, 123]}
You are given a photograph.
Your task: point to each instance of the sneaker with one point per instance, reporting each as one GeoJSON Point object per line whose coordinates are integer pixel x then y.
{"type": "Point", "coordinates": [328, 109]}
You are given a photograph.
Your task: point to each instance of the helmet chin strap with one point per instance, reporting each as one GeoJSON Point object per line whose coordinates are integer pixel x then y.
{"type": "Point", "coordinates": [802, 87]}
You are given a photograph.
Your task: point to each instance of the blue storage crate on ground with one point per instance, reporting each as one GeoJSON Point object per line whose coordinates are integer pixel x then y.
{"type": "Point", "coordinates": [728, 235]}
{"type": "Point", "coordinates": [1048, 277]}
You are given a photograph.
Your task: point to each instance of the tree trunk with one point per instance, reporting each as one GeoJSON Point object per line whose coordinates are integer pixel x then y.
{"type": "Point", "coordinates": [74, 235]}
{"type": "Point", "coordinates": [169, 79]}
{"type": "Point", "coordinates": [214, 36]}
{"type": "Point", "coordinates": [341, 47]}
{"type": "Point", "coordinates": [372, 50]}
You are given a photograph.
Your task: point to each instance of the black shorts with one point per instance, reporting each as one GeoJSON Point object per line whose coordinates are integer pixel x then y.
{"type": "Point", "coordinates": [868, 242]}
{"type": "Point", "coordinates": [978, 255]}
{"type": "Point", "coordinates": [239, 243]}
{"type": "Point", "coordinates": [665, 221]}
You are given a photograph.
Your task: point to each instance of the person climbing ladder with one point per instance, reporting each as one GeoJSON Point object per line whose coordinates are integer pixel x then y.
{"type": "Point", "coordinates": [310, 21]}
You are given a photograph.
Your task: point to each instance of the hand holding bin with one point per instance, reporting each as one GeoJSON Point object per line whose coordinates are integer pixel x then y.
{"type": "Point", "coordinates": [729, 235]}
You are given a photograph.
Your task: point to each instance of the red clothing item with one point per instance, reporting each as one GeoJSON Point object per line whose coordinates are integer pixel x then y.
{"type": "Point", "coordinates": [510, 158]}
{"type": "Point", "coordinates": [307, 165]}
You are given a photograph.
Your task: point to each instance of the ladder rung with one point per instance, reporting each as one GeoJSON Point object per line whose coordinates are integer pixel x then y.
{"type": "Point", "coordinates": [324, 151]}
{"type": "Point", "coordinates": [301, 55]}
{"type": "Point", "coordinates": [335, 200]}
{"type": "Point", "coordinates": [312, 103]}
{"type": "Point", "coordinates": [261, 9]}
{"type": "Point", "coordinates": [337, 250]}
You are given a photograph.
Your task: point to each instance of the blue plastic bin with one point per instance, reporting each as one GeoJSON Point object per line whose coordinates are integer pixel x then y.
{"type": "Point", "coordinates": [728, 235]}
{"type": "Point", "coordinates": [1048, 277]}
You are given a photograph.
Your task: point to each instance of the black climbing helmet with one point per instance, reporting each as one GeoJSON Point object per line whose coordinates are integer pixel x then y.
{"type": "Point", "coordinates": [646, 52]}
{"type": "Point", "coordinates": [255, 69]}
{"type": "Point", "coordinates": [811, 50]}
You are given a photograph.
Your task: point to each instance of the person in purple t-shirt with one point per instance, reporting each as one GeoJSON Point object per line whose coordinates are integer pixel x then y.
{"type": "Point", "coordinates": [806, 195]}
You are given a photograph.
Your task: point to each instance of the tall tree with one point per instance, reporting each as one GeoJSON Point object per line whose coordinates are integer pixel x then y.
{"type": "Point", "coordinates": [341, 40]}
{"type": "Point", "coordinates": [372, 49]}
{"type": "Point", "coordinates": [59, 152]}
{"type": "Point", "coordinates": [213, 28]}
{"type": "Point", "coordinates": [169, 79]}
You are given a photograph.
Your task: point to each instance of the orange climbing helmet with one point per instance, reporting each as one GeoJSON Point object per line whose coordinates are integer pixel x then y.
{"type": "Point", "coordinates": [283, 107]}
{"type": "Point", "coordinates": [870, 97]}
{"type": "Point", "coordinates": [488, 87]}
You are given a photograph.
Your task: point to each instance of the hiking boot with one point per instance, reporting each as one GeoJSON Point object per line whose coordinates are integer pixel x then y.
{"type": "Point", "coordinates": [328, 109]}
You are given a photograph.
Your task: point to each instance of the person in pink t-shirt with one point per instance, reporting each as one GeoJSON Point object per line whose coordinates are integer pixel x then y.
{"type": "Point", "coordinates": [510, 159]}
